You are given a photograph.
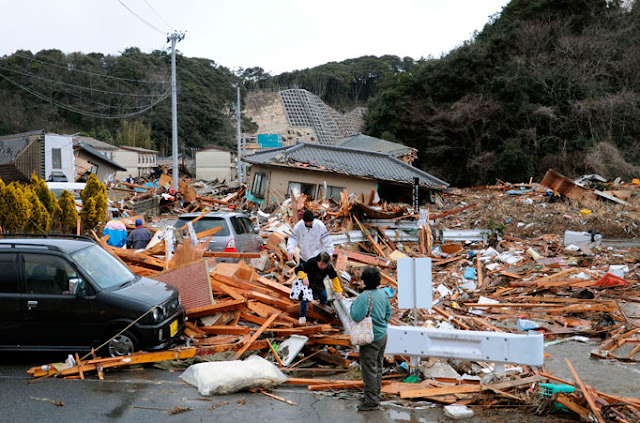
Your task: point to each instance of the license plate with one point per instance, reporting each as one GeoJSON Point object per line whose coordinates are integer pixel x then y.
{"type": "Point", "coordinates": [173, 328]}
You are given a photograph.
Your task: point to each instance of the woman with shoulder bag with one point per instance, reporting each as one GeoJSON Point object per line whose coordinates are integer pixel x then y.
{"type": "Point", "coordinates": [374, 303]}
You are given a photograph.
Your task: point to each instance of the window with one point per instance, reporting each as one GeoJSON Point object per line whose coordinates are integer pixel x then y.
{"type": "Point", "coordinates": [45, 274]}
{"type": "Point", "coordinates": [205, 224]}
{"type": "Point", "coordinates": [56, 158]}
{"type": "Point", "coordinates": [332, 192]}
{"type": "Point", "coordinates": [9, 274]}
{"type": "Point", "coordinates": [259, 184]}
{"type": "Point", "coordinates": [242, 225]}
{"type": "Point", "coordinates": [103, 268]}
{"type": "Point", "coordinates": [301, 188]}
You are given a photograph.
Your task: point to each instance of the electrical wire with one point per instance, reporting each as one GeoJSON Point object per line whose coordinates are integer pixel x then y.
{"type": "Point", "coordinates": [66, 67]}
{"type": "Point", "coordinates": [78, 86]}
{"type": "Point", "coordinates": [84, 112]}
{"type": "Point", "coordinates": [158, 15]}
{"type": "Point", "coordinates": [147, 23]}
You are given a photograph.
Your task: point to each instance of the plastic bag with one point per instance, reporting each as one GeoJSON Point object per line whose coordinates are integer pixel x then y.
{"type": "Point", "coordinates": [226, 377]}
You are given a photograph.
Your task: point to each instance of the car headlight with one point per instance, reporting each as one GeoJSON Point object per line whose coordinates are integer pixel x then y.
{"type": "Point", "coordinates": [157, 314]}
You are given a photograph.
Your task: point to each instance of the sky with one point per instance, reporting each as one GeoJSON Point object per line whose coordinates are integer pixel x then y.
{"type": "Point", "coordinates": [277, 35]}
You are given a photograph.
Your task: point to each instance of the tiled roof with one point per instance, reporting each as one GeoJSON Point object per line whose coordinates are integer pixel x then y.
{"type": "Point", "coordinates": [137, 149]}
{"type": "Point", "coordinates": [11, 146]}
{"type": "Point", "coordinates": [365, 142]}
{"type": "Point", "coordinates": [347, 161]}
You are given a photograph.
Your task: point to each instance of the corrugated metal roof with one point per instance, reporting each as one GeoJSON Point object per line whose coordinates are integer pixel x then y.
{"type": "Point", "coordinates": [347, 161]}
{"type": "Point", "coordinates": [97, 144]}
{"type": "Point", "coordinates": [365, 142]}
{"type": "Point", "coordinates": [98, 155]}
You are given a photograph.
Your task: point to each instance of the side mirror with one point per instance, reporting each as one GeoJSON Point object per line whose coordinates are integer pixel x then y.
{"type": "Point", "coordinates": [76, 286]}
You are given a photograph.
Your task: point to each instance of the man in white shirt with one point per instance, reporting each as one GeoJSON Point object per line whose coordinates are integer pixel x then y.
{"type": "Point", "coordinates": [311, 236]}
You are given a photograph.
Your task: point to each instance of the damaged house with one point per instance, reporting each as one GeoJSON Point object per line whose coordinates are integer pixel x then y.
{"type": "Point", "coordinates": [325, 171]}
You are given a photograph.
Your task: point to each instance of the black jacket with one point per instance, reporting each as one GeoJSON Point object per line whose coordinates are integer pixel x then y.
{"type": "Point", "coordinates": [315, 274]}
{"type": "Point", "coordinates": [139, 238]}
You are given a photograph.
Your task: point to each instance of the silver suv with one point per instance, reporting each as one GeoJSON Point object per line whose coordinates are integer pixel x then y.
{"type": "Point", "coordinates": [237, 233]}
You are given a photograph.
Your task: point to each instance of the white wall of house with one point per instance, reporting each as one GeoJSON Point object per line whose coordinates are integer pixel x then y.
{"type": "Point", "coordinates": [212, 164]}
{"type": "Point", "coordinates": [128, 159]}
{"type": "Point", "coordinates": [58, 156]}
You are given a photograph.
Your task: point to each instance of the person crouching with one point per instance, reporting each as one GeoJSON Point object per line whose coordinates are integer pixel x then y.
{"type": "Point", "coordinates": [311, 274]}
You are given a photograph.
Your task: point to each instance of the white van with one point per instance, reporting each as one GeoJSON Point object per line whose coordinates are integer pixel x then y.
{"type": "Point", "coordinates": [73, 187]}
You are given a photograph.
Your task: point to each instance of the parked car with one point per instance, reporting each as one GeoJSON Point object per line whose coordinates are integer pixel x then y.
{"type": "Point", "coordinates": [68, 293]}
{"type": "Point", "coordinates": [236, 234]}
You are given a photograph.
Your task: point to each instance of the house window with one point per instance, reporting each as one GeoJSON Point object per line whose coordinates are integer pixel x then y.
{"type": "Point", "coordinates": [332, 192]}
{"type": "Point", "coordinates": [56, 158]}
{"type": "Point", "coordinates": [259, 184]}
{"type": "Point", "coordinates": [301, 188]}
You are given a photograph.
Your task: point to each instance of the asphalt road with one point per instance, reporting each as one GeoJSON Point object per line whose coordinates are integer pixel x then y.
{"type": "Point", "coordinates": [146, 395]}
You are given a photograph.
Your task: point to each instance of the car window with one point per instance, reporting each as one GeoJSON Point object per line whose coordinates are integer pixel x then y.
{"type": "Point", "coordinates": [205, 224]}
{"type": "Point", "coordinates": [103, 268]}
{"type": "Point", "coordinates": [238, 225]}
{"type": "Point", "coordinates": [248, 224]}
{"type": "Point", "coordinates": [47, 274]}
{"type": "Point", "coordinates": [9, 273]}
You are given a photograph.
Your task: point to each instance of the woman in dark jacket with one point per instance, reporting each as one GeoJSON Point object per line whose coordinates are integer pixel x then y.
{"type": "Point", "coordinates": [372, 355]}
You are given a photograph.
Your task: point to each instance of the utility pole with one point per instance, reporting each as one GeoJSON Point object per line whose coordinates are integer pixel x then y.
{"type": "Point", "coordinates": [238, 115]}
{"type": "Point", "coordinates": [174, 38]}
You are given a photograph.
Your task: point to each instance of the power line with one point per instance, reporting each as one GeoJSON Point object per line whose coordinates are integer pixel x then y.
{"type": "Point", "coordinates": [84, 112]}
{"type": "Point", "coordinates": [66, 67]}
{"type": "Point", "coordinates": [147, 23]}
{"type": "Point", "coordinates": [158, 15]}
{"type": "Point", "coordinates": [78, 86]}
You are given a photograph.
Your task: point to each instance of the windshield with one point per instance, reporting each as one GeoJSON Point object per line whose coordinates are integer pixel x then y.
{"type": "Point", "coordinates": [103, 268]}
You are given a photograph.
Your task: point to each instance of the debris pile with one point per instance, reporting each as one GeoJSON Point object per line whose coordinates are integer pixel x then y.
{"type": "Point", "coordinates": [506, 258]}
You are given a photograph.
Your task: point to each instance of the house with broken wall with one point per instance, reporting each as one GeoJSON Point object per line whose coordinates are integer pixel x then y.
{"type": "Point", "coordinates": [323, 171]}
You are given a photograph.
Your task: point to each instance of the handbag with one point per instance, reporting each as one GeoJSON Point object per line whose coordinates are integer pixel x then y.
{"type": "Point", "coordinates": [361, 333]}
{"type": "Point", "coordinates": [300, 292]}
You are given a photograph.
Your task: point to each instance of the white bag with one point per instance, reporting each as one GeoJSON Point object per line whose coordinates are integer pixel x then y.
{"type": "Point", "coordinates": [361, 333]}
{"type": "Point", "coordinates": [300, 292]}
{"type": "Point", "coordinates": [226, 377]}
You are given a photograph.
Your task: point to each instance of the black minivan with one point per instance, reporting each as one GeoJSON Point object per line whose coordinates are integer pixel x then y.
{"type": "Point", "coordinates": [68, 293]}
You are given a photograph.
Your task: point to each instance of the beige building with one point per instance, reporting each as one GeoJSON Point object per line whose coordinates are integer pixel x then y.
{"type": "Point", "coordinates": [321, 171]}
{"type": "Point", "coordinates": [216, 163]}
{"type": "Point", "coordinates": [137, 160]}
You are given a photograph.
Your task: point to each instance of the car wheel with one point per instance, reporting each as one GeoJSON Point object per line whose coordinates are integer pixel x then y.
{"type": "Point", "coordinates": [122, 344]}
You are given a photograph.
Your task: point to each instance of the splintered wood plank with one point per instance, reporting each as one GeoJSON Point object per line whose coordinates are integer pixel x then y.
{"type": "Point", "coordinates": [215, 308]}
{"type": "Point", "coordinates": [586, 393]}
{"type": "Point", "coordinates": [225, 330]}
{"type": "Point", "coordinates": [255, 336]}
{"type": "Point", "coordinates": [268, 299]}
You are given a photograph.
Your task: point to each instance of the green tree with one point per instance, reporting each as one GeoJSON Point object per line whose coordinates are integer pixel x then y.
{"type": "Point", "coordinates": [94, 203]}
{"type": "Point", "coordinates": [67, 215]}
{"type": "Point", "coordinates": [16, 209]}
{"type": "Point", "coordinates": [40, 220]}
{"type": "Point", "coordinates": [134, 134]}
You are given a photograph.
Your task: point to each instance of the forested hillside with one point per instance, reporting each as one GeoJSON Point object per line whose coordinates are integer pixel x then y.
{"type": "Point", "coordinates": [546, 83]}
{"type": "Point", "coordinates": [101, 96]}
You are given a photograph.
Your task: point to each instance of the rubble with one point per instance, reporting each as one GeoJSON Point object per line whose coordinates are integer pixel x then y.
{"type": "Point", "coordinates": [502, 260]}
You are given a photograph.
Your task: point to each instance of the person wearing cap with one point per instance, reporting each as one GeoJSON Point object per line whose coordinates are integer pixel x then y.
{"type": "Point", "coordinates": [116, 230]}
{"type": "Point", "coordinates": [139, 237]}
{"type": "Point", "coordinates": [311, 236]}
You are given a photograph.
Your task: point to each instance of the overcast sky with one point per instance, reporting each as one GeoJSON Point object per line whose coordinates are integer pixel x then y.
{"type": "Point", "coordinates": [277, 35]}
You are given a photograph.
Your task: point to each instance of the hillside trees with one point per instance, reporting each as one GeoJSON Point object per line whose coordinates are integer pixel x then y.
{"type": "Point", "coordinates": [547, 83]}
